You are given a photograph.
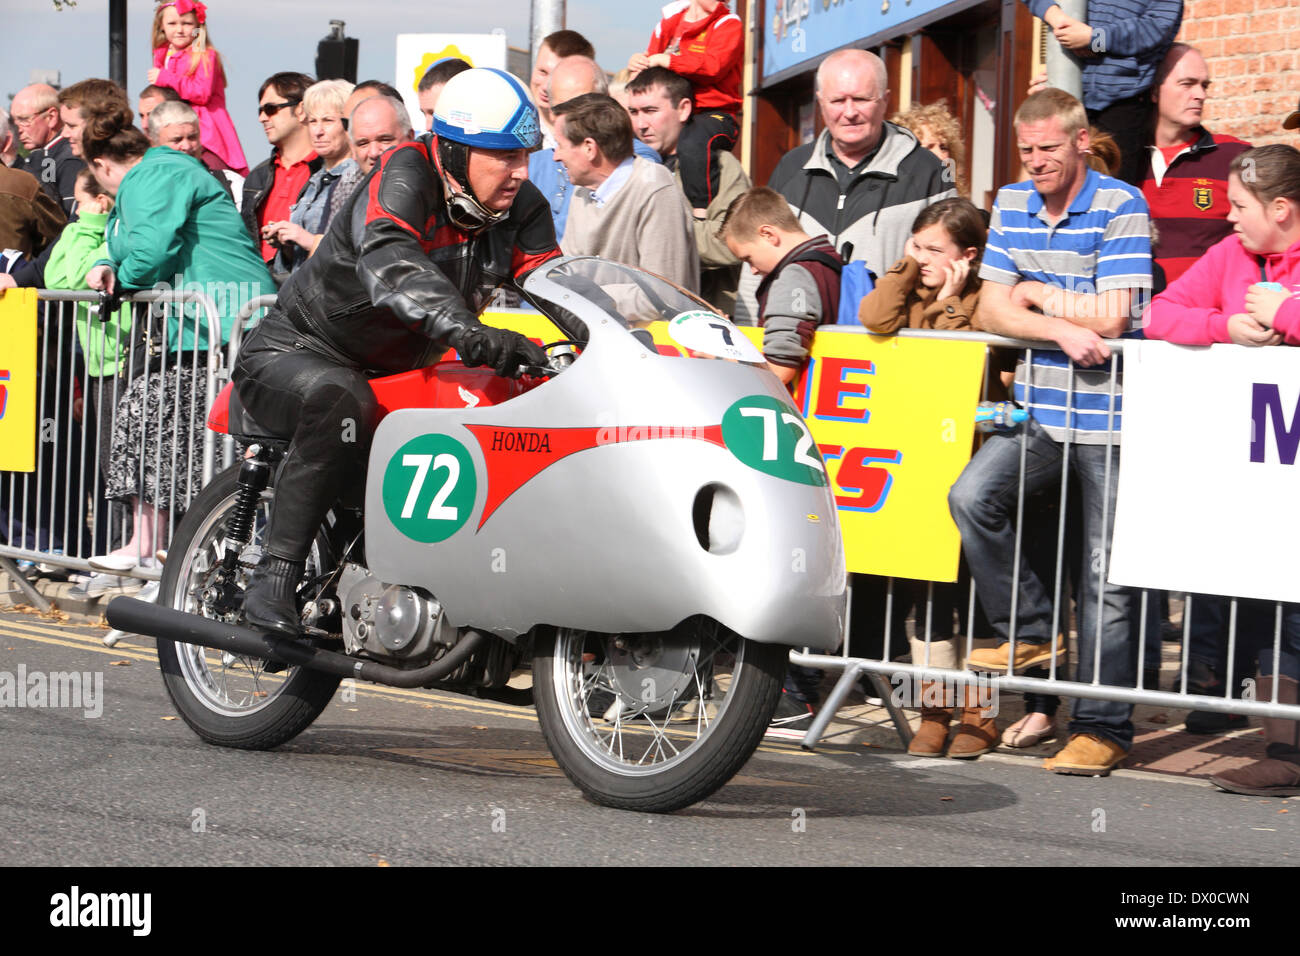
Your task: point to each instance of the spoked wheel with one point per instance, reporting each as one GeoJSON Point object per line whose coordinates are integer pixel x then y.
{"type": "Point", "coordinates": [654, 722]}
{"type": "Point", "coordinates": [230, 699]}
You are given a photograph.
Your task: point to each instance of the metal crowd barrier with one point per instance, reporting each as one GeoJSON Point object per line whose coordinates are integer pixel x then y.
{"type": "Point", "coordinates": [75, 508]}
{"type": "Point", "coordinates": [63, 498]}
{"type": "Point", "coordinates": [248, 316]}
{"type": "Point", "coordinates": [876, 670]}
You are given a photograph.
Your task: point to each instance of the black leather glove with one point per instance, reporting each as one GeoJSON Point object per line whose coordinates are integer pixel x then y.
{"type": "Point", "coordinates": [502, 349]}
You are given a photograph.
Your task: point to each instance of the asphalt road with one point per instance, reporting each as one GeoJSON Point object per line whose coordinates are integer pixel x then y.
{"type": "Point", "coordinates": [419, 778]}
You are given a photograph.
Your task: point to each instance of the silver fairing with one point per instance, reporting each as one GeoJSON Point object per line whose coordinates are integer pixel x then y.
{"type": "Point", "coordinates": [614, 536]}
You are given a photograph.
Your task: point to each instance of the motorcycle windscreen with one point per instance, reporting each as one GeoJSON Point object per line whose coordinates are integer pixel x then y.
{"type": "Point", "coordinates": [634, 299]}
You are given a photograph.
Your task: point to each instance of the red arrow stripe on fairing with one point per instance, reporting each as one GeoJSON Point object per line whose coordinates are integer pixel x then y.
{"type": "Point", "coordinates": [515, 456]}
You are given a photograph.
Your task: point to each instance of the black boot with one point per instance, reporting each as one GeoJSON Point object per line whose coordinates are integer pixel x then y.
{"type": "Point", "coordinates": [270, 604]}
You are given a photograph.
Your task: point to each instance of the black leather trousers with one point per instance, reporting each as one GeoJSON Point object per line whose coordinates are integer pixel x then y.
{"type": "Point", "coordinates": [327, 410]}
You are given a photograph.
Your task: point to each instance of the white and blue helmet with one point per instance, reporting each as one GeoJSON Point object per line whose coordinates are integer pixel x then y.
{"type": "Point", "coordinates": [488, 109]}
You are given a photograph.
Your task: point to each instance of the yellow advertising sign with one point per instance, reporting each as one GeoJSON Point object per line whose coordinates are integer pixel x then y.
{"type": "Point", "coordinates": [894, 419]}
{"type": "Point", "coordinates": [18, 380]}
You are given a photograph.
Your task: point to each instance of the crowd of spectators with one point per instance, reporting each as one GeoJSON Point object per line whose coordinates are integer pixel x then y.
{"type": "Point", "coordinates": [1126, 195]}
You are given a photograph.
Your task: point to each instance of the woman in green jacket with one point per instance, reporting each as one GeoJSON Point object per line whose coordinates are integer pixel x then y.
{"type": "Point", "coordinates": [172, 228]}
{"type": "Point", "coordinates": [104, 343]}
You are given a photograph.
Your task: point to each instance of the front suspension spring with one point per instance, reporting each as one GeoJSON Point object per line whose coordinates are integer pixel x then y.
{"type": "Point", "coordinates": [254, 476]}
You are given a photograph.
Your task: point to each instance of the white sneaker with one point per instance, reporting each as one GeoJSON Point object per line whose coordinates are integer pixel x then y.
{"type": "Point", "coordinates": [45, 568]}
{"type": "Point", "coordinates": [116, 563]}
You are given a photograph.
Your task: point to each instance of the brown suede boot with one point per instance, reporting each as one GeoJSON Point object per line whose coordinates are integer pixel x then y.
{"type": "Point", "coordinates": [977, 733]}
{"type": "Point", "coordinates": [1278, 774]}
{"type": "Point", "coordinates": [933, 732]}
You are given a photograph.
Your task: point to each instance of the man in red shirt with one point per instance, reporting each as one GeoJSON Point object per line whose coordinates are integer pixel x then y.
{"type": "Point", "coordinates": [1186, 182]}
{"type": "Point", "coordinates": [1186, 186]}
{"type": "Point", "coordinates": [275, 184]}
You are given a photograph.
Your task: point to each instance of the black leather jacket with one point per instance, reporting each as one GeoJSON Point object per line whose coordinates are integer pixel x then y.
{"type": "Point", "coordinates": [370, 298]}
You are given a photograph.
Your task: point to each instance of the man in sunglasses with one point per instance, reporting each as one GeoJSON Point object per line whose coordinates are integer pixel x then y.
{"type": "Point", "coordinates": [406, 264]}
{"type": "Point", "coordinates": [275, 185]}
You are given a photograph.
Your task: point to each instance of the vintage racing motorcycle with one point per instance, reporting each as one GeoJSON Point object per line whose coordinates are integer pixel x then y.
{"type": "Point", "coordinates": [651, 528]}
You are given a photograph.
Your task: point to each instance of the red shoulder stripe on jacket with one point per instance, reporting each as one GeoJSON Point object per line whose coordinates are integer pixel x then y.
{"type": "Point", "coordinates": [522, 263]}
{"type": "Point", "coordinates": [374, 210]}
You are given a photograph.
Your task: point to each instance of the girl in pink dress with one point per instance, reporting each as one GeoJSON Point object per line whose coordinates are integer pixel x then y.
{"type": "Point", "coordinates": [184, 61]}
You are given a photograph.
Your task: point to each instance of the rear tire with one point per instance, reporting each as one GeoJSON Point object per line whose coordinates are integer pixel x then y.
{"type": "Point", "coordinates": [227, 699]}
{"type": "Point", "coordinates": [654, 722]}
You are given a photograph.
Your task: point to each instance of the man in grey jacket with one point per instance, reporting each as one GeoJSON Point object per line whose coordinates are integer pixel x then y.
{"type": "Point", "coordinates": [862, 181]}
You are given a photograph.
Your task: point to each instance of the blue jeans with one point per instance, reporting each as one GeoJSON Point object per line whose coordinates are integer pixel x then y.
{"type": "Point", "coordinates": [1256, 622]}
{"type": "Point", "coordinates": [1289, 658]}
{"type": "Point", "coordinates": [983, 504]}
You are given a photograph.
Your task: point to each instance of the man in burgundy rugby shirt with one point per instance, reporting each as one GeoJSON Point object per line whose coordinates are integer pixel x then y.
{"type": "Point", "coordinates": [1186, 181]}
{"type": "Point", "coordinates": [1186, 186]}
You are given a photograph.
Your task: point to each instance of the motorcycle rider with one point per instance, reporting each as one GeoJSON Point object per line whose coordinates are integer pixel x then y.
{"type": "Point", "coordinates": [406, 264]}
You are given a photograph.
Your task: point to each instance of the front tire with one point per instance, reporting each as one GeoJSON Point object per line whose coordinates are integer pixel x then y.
{"type": "Point", "coordinates": [227, 699]}
{"type": "Point", "coordinates": [654, 722]}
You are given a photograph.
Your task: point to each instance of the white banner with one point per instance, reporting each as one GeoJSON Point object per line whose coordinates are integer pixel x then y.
{"type": "Point", "coordinates": [416, 52]}
{"type": "Point", "coordinates": [1209, 488]}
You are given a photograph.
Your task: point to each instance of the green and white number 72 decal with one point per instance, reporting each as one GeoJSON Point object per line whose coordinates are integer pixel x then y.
{"type": "Point", "coordinates": [767, 436]}
{"type": "Point", "coordinates": [429, 488]}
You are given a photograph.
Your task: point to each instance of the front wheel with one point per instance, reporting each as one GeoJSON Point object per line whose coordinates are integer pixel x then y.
{"type": "Point", "coordinates": [654, 722]}
{"type": "Point", "coordinates": [228, 699]}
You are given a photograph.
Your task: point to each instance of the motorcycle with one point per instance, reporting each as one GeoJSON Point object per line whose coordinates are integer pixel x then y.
{"type": "Point", "coordinates": [650, 527]}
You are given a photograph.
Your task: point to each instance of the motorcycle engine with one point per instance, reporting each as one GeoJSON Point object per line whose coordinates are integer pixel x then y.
{"type": "Point", "coordinates": [390, 620]}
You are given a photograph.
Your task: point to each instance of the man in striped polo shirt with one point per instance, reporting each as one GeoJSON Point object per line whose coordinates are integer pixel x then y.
{"type": "Point", "coordinates": [1119, 48]}
{"type": "Point", "coordinates": [1068, 261]}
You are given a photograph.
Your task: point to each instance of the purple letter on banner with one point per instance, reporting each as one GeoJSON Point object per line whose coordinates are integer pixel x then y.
{"type": "Point", "coordinates": [1266, 403]}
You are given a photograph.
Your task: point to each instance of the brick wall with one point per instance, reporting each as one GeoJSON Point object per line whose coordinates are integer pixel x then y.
{"type": "Point", "coordinates": [1251, 47]}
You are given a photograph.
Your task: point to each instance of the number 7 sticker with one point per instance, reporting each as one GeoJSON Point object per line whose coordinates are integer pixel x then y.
{"type": "Point", "coordinates": [429, 488]}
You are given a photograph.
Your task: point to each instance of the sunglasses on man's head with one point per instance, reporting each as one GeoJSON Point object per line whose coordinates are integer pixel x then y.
{"type": "Point", "coordinates": [270, 109]}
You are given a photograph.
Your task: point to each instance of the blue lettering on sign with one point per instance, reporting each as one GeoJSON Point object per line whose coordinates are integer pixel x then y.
{"type": "Point", "coordinates": [4, 391]}
{"type": "Point", "coordinates": [1266, 408]}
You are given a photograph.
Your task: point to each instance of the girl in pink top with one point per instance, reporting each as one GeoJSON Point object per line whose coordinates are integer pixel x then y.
{"type": "Point", "coordinates": [184, 61]}
{"type": "Point", "coordinates": [1246, 288]}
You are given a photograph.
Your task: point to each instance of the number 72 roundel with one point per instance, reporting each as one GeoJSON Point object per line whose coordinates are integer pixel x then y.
{"type": "Point", "coordinates": [766, 434]}
{"type": "Point", "coordinates": [429, 488]}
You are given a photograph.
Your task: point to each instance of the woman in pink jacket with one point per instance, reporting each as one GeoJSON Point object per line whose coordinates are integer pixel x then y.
{"type": "Point", "coordinates": [184, 61]}
{"type": "Point", "coordinates": [1246, 289]}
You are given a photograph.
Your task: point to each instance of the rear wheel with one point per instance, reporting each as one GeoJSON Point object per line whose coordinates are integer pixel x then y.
{"type": "Point", "coordinates": [654, 722]}
{"type": "Point", "coordinates": [229, 699]}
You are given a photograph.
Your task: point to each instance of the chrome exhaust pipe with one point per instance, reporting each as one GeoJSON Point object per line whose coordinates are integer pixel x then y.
{"type": "Point", "coordinates": [168, 624]}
